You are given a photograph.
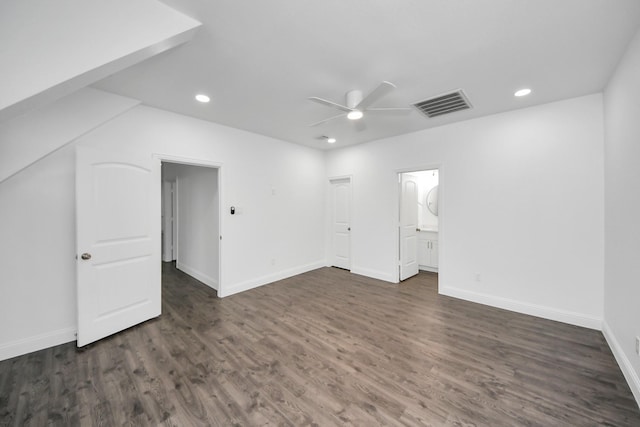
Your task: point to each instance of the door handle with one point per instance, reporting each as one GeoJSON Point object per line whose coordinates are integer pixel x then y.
{"type": "Point", "coordinates": [348, 228]}
{"type": "Point", "coordinates": [85, 256]}
{"type": "Point", "coordinates": [417, 229]}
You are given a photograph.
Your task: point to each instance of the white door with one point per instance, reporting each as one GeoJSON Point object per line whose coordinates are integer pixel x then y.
{"type": "Point", "coordinates": [340, 223]}
{"type": "Point", "coordinates": [118, 248]}
{"type": "Point", "coordinates": [408, 226]}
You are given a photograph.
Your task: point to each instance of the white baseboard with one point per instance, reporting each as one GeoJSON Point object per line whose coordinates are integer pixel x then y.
{"type": "Point", "coordinates": [254, 283]}
{"type": "Point", "coordinates": [623, 361]}
{"type": "Point", "coordinates": [375, 274]}
{"type": "Point", "coordinates": [35, 343]}
{"type": "Point", "coordinates": [545, 312]}
{"type": "Point", "coordinates": [198, 275]}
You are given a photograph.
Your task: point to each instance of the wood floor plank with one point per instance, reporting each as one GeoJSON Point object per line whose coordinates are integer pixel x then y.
{"type": "Point", "coordinates": [320, 349]}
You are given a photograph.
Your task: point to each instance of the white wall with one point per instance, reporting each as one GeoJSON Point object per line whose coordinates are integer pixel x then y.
{"type": "Point", "coordinates": [521, 204]}
{"type": "Point", "coordinates": [37, 308]}
{"type": "Point", "coordinates": [38, 296]}
{"type": "Point", "coordinates": [197, 222]}
{"type": "Point", "coordinates": [426, 181]}
{"type": "Point", "coordinates": [622, 214]}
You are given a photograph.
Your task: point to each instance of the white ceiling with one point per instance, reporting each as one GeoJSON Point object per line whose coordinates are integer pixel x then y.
{"type": "Point", "coordinates": [259, 61]}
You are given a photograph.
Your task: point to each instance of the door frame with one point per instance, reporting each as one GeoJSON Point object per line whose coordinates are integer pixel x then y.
{"type": "Point", "coordinates": [441, 221]}
{"type": "Point", "coordinates": [329, 215]}
{"type": "Point", "coordinates": [170, 158]}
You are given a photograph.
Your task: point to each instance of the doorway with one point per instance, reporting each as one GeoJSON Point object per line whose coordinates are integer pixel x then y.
{"type": "Point", "coordinates": [191, 220]}
{"type": "Point", "coordinates": [419, 222]}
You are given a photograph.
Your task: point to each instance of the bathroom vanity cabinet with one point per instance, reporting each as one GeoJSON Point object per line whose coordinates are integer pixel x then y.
{"type": "Point", "coordinates": [428, 250]}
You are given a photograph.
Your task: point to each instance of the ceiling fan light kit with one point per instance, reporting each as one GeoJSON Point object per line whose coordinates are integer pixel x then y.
{"type": "Point", "coordinates": [357, 105]}
{"type": "Point", "coordinates": [355, 115]}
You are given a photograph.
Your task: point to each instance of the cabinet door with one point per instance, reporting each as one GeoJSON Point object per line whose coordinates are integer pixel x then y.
{"type": "Point", "coordinates": [433, 254]}
{"type": "Point", "coordinates": [423, 252]}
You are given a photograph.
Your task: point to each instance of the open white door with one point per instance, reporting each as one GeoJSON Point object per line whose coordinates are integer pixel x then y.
{"type": "Point", "coordinates": [341, 222]}
{"type": "Point", "coordinates": [118, 248]}
{"type": "Point", "coordinates": [408, 226]}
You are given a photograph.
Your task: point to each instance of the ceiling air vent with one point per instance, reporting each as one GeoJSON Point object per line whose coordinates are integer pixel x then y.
{"type": "Point", "coordinates": [443, 104]}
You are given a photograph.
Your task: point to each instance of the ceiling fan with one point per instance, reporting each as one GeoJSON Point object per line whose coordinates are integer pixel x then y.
{"type": "Point", "coordinates": [356, 105]}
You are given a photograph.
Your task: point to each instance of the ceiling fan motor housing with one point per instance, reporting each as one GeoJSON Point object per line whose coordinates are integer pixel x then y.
{"type": "Point", "coordinates": [354, 97]}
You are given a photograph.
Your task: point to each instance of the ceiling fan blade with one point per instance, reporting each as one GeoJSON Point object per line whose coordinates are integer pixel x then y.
{"type": "Point", "coordinates": [329, 103]}
{"type": "Point", "coordinates": [326, 120]}
{"type": "Point", "coordinates": [391, 109]}
{"type": "Point", "coordinates": [382, 89]}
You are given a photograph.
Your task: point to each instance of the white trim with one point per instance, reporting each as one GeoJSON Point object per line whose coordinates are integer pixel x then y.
{"type": "Point", "coordinates": [169, 158]}
{"type": "Point", "coordinates": [572, 318]}
{"type": "Point", "coordinates": [176, 221]}
{"type": "Point", "coordinates": [28, 345]}
{"type": "Point", "coordinates": [340, 177]}
{"type": "Point", "coordinates": [264, 280]}
{"type": "Point", "coordinates": [198, 275]}
{"type": "Point", "coordinates": [375, 274]}
{"type": "Point", "coordinates": [623, 361]}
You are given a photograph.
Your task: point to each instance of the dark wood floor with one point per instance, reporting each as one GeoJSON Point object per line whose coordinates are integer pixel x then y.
{"type": "Point", "coordinates": [324, 348]}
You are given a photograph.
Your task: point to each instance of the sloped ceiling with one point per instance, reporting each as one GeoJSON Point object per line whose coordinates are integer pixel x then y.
{"type": "Point", "coordinates": [34, 135]}
{"type": "Point", "coordinates": [49, 49]}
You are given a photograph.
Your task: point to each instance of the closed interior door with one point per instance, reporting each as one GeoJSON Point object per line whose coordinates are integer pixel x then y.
{"type": "Point", "coordinates": [118, 248]}
{"type": "Point", "coordinates": [408, 226]}
{"type": "Point", "coordinates": [168, 221]}
{"type": "Point", "coordinates": [341, 225]}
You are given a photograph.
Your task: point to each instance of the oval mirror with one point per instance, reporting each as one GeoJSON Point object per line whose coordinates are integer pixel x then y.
{"type": "Point", "coordinates": [432, 200]}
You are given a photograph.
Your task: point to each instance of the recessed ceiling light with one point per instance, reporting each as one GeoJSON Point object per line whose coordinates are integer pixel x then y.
{"type": "Point", "coordinates": [354, 115]}
{"type": "Point", "coordinates": [331, 140]}
{"type": "Point", "coordinates": [202, 98]}
{"type": "Point", "coordinates": [522, 92]}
